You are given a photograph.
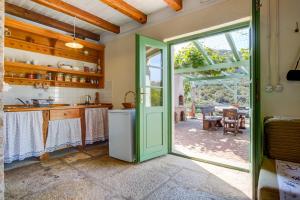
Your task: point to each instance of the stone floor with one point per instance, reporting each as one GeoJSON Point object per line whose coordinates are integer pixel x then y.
{"type": "Point", "coordinates": [92, 174]}
{"type": "Point", "coordinates": [190, 139]}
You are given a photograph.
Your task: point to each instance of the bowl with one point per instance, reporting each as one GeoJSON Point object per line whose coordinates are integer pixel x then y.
{"type": "Point", "coordinates": [128, 105]}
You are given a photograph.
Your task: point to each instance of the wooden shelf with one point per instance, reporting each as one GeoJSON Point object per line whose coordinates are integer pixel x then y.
{"type": "Point", "coordinates": [27, 81]}
{"type": "Point", "coordinates": [18, 65]}
{"type": "Point", "coordinates": [23, 67]}
{"type": "Point", "coordinates": [32, 38]}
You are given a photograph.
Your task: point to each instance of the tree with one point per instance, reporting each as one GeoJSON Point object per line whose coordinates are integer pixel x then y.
{"type": "Point", "coordinates": [189, 56]}
{"type": "Point", "coordinates": [245, 54]}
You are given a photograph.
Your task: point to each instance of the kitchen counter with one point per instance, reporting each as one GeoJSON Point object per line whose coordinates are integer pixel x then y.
{"type": "Point", "coordinates": [61, 125]}
{"type": "Point", "coordinates": [23, 108]}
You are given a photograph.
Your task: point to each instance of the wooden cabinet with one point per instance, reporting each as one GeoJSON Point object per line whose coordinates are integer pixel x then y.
{"type": "Point", "coordinates": [64, 114]}
{"type": "Point", "coordinates": [28, 37]}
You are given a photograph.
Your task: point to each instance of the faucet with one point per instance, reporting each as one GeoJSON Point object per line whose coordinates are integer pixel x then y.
{"type": "Point", "coordinates": [26, 103]}
{"type": "Point", "coordinates": [88, 99]}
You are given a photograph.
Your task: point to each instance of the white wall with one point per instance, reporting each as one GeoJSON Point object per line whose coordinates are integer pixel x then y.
{"type": "Point", "coordinates": [60, 94]}
{"type": "Point", "coordinates": [178, 88]}
{"type": "Point", "coordinates": [286, 102]}
{"type": "Point", "coordinates": [120, 52]}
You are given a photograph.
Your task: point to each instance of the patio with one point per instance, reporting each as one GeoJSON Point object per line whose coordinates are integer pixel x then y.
{"type": "Point", "coordinates": [190, 139]}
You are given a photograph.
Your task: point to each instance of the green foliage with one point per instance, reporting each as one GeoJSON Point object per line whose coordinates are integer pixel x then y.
{"type": "Point", "coordinates": [214, 94]}
{"type": "Point", "coordinates": [189, 56]}
{"type": "Point", "coordinates": [187, 87]}
{"type": "Point", "coordinates": [156, 97]}
{"type": "Point", "coordinates": [215, 56]}
{"type": "Point", "coordinates": [245, 54]}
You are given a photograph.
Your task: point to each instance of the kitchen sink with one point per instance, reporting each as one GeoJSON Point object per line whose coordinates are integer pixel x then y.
{"type": "Point", "coordinates": [33, 106]}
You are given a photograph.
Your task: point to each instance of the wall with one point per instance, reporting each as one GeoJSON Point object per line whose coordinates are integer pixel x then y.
{"type": "Point", "coordinates": [286, 102]}
{"type": "Point", "coordinates": [60, 94]}
{"type": "Point", "coordinates": [1, 112]}
{"type": "Point", "coordinates": [120, 52]}
{"type": "Point", "coordinates": [178, 89]}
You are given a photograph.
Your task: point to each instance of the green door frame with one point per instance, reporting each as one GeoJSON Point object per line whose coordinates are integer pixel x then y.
{"type": "Point", "coordinates": [257, 124]}
{"type": "Point", "coordinates": [256, 132]}
{"type": "Point", "coordinates": [186, 39]}
{"type": "Point", "coordinates": [256, 136]}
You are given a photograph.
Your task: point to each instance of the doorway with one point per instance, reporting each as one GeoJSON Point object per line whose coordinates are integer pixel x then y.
{"type": "Point", "coordinates": [212, 97]}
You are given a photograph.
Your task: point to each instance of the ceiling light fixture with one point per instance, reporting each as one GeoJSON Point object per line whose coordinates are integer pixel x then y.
{"type": "Point", "coordinates": [74, 44]}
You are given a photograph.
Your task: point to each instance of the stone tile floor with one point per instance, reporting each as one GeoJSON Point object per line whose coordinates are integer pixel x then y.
{"type": "Point", "coordinates": [190, 139]}
{"type": "Point", "coordinates": [92, 174]}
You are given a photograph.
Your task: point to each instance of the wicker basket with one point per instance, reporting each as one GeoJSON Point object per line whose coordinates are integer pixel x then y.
{"type": "Point", "coordinates": [128, 105]}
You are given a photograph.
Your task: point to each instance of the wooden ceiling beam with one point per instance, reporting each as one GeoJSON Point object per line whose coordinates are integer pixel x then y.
{"type": "Point", "coordinates": [68, 9]}
{"type": "Point", "coordinates": [127, 9]}
{"type": "Point", "coordinates": [174, 4]}
{"type": "Point", "coordinates": [36, 17]}
{"type": "Point", "coordinates": [25, 26]}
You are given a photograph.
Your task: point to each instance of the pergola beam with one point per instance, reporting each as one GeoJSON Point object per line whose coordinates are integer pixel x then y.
{"type": "Point", "coordinates": [73, 11]}
{"type": "Point", "coordinates": [232, 46]}
{"type": "Point", "coordinates": [212, 67]}
{"type": "Point", "coordinates": [127, 9]}
{"type": "Point", "coordinates": [42, 19]}
{"type": "Point", "coordinates": [235, 76]}
{"type": "Point", "coordinates": [204, 53]}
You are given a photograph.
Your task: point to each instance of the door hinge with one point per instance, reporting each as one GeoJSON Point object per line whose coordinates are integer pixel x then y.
{"type": "Point", "coordinates": [258, 5]}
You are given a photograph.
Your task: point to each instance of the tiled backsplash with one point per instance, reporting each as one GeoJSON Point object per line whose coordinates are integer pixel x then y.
{"type": "Point", "coordinates": [60, 94]}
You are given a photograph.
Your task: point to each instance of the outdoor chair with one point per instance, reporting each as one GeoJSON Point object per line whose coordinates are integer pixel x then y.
{"type": "Point", "coordinates": [209, 120]}
{"type": "Point", "coordinates": [231, 121]}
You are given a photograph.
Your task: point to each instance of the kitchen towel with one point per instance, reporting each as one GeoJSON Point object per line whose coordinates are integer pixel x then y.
{"type": "Point", "coordinates": [96, 124]}
{"type": "Point", "coordinates": [63, 133]}
{"type": "Point", "coordinates": [23, 135]}
{"type": "Point", "coordinates": [288, 177]}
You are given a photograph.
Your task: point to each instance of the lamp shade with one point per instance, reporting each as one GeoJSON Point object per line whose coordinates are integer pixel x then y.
{"type": "Point", "coordinates": [74, 45]}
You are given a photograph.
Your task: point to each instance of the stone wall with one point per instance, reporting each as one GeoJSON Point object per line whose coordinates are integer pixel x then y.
{"type": "Point", "coordinates": [1, 84]}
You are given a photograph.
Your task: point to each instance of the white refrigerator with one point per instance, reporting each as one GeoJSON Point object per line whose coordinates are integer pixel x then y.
{"type": "Point", "coordinates": [121, 126]}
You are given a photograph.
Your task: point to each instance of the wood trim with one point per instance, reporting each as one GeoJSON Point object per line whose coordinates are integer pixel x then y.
{"type": "Point", "coordinates": [12, 23]}
{"type": "Point", "coordinates": [83, 126]}
{"type": "Point", "coordinates": [174, 4]}
{"type": "Point", "coordinates": [46, 117]}
{"type": "Point", "coordinates": [68, 9]}
{"type": "Point", "coordinates": [36, 17]}
{"type": "Point", "coordinates": [127, 9]}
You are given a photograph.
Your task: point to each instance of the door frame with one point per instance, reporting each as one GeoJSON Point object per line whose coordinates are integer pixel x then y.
{"type": "Point", "coordinates": [257, 135]}
{"type": "Point", "coordinates": [257, 125]}
{"type": "Point", "coordinates": [256, 145]}
{"type": "Point", "coordinates": [228, 28]}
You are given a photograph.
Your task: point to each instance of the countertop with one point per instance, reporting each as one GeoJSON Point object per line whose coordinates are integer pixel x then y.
{"type": "Point", "coordinates": [22, 108]}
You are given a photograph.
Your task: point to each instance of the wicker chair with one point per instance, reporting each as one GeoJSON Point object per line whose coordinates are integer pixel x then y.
{"type": "Point", "coordinates": [230, 121]}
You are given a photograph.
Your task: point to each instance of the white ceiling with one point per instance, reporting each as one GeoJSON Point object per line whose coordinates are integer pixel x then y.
{"type": "Point", "coordinates": [95, 7]}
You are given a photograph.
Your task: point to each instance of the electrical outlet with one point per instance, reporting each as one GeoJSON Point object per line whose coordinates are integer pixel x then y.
{"type": "Point", "coordinates": [269, 88]}
{"type": "Point", "coordinates": [278, 87]}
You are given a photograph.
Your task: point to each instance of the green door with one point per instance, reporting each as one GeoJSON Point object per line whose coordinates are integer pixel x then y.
{"type": "Point", "coordinates": [151, 100]}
